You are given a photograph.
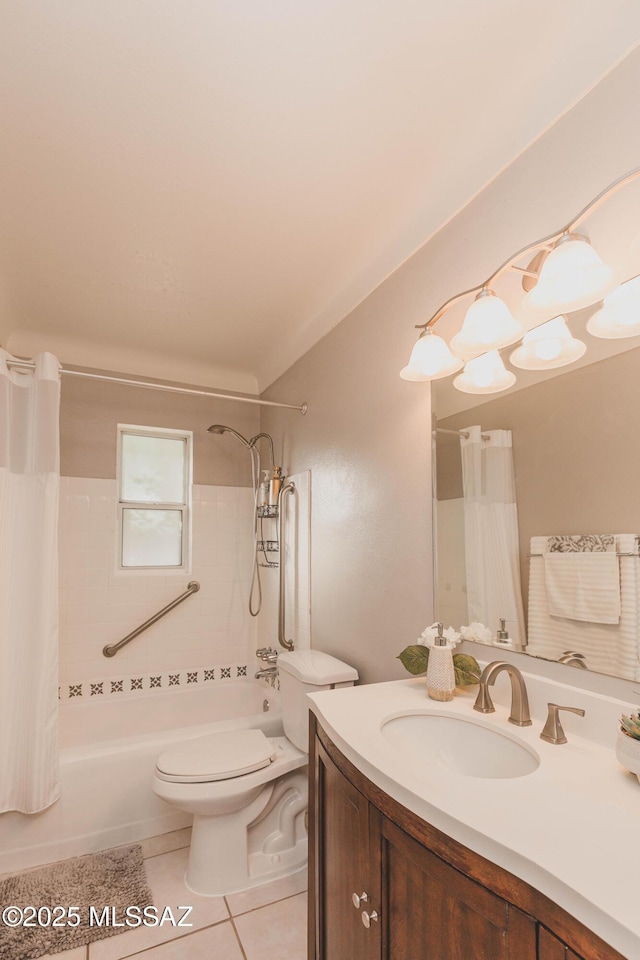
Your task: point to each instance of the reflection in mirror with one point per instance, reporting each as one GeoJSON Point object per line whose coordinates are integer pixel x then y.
{"type": "Point", "coordinates": [574, 506]}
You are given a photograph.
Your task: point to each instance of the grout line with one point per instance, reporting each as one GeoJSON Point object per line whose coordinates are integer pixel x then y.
{"type": "Point", "coordinates": [164, 853]}
{"type": "Point", "coordinates": [164, 943]}
{"type": "Point", "coordinates": [271, 903]}
{"type": "Point", "coordinates": [235, 930]}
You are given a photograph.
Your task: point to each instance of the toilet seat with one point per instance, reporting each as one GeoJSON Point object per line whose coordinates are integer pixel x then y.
{"type": "Point", "coordinates": [219, 756]}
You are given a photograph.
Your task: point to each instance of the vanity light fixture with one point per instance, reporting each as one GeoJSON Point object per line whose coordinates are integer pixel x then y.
{"type": "Point", "coordinates": [619, 316]}
{"type": "Point", "coordinates": [548, 346]}
{"type": "Point", "coordinates": [563, 273]}
{"type": "Point", "coordinates": [485, 374]}
{"type": "Point", "coordinates": [488, 325]}
{"type": "Point", "coordinates": [430, 359]}
{"type": "Point", "coordinates": [572, 276]}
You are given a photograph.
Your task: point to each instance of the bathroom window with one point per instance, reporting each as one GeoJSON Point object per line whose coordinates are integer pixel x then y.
{"type": "Point", "coordinates": [154, 483]}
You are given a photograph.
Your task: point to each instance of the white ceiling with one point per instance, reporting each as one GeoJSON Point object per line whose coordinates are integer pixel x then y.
{"type": "Point", "coordinates": [201, 189]}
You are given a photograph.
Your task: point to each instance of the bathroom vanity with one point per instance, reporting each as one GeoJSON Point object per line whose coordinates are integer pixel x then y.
{"type": "Point", "coordinates": [409, 863]}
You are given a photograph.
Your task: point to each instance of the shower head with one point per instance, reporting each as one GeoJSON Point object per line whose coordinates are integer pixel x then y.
{"type": "Point", "coordinates": [220, 428]}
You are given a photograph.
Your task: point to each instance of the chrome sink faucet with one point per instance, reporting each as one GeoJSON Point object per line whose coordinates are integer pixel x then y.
{"type": "Point", "coordinates": [519, 700]}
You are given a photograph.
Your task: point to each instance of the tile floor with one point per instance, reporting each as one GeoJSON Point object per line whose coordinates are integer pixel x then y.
{"type": "Point", "coordinates": [265, 923]}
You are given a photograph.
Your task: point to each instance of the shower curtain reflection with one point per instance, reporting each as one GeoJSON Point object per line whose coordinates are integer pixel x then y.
{"type": "Point", "coordinates": [491, 531]}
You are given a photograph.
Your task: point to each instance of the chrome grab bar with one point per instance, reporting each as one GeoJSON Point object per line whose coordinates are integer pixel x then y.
{"type": "Point", "coordinates": [287, 488]}
{"type": "Point", "coordinates": [112, 648]}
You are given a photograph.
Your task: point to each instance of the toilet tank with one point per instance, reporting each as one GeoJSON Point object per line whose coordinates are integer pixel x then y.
{"type": "Point", "coordinates": [302, 672]}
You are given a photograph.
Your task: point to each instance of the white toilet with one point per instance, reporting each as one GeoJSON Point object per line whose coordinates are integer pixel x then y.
{"type": "Point", "coordinates": [249, 793]}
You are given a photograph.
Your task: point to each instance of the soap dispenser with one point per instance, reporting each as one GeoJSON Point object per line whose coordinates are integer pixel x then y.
{"type": "Point", "coordinates": [275, 485]}
{"type": "Point", "coordinates": [441, 681]}
{"type": "Point", "coordinates": [503, 639]}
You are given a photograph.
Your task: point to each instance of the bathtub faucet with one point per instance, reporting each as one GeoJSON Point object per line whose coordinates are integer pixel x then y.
{"type": "Point", "coordinates": [266, 673]}
{"type": "Point", "coordinates": [267, 654]}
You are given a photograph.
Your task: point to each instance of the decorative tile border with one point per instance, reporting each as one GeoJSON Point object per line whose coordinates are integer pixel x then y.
{"type": "Point", "coordinates": [122, 686]}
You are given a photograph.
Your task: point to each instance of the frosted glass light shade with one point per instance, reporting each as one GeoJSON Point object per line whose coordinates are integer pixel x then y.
{"type": "Point", "coordinates": [572, 276]}
{"type": "Point", "coordinates": [488, 325]}
{"type": "Point", "coordinates": [619, 316]}
{"type": "Point", "coordinates": [548, 346]}
{"type": "Point", "coordinates": [485, 374]}
{"type": "Point", "coordinates": [430, 359]}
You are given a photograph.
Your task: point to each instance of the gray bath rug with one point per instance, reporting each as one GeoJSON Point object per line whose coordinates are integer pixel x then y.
{"type": "Point", "coordinates": [114, 879]}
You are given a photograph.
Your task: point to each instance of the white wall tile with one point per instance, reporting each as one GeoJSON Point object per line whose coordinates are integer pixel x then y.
{"type": "Point", "coordinates": [99, 604]}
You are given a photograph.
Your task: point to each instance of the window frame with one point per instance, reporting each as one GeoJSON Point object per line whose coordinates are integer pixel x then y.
{"type": "Point", "coordinates": [185, 508]}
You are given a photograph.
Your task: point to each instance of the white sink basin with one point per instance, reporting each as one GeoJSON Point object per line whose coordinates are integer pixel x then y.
{"type": "Point", "coordinates": [460, 746]}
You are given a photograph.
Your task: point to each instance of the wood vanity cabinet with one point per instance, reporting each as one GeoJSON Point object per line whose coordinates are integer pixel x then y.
{"type": "Point", "coordinates": [550, 948]}
{"type": "Point", "coordinates": [386, 885]}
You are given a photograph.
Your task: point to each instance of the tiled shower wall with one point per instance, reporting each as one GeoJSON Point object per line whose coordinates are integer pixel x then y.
{"type": "Point", "coordinates": [211, 630]}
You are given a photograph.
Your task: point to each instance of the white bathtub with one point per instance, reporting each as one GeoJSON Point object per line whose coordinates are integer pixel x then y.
{"type": "Point", "coordinates": [107, 757]}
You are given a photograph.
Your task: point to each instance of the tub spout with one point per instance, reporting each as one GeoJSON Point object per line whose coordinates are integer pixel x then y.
{"type": "Point", "coordinates": [266, 673]}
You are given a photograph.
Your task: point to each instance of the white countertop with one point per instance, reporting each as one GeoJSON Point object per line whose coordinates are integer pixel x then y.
{"type": "Point", "coordinates": [571, 828]}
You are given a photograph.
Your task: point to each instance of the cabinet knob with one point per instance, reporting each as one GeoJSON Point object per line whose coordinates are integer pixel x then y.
{"type": "Point", "coordinates": [357, 900]}
{"type": "Point", "coordinates": [368, 918]}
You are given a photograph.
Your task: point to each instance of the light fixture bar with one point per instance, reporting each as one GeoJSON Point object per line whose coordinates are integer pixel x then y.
{"type": "Point", "coordinates": [510, 264]}
{"type": "Point", "coordinates": [525, 272]}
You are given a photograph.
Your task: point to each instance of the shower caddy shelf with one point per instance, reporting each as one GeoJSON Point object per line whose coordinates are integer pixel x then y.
{"type": "Point", "coordinates": [268, 546]}
{"type": "Point", "coordinates": [267, 511]}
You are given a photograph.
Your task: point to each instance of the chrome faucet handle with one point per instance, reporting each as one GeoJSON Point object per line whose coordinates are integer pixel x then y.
{"type": "Point", "coordinates": [484, 703]}
{"type": "Point", "coordinates": [553, 732]}
{"type": "Point", "coordinates": [573, 659]}
{"type": "Point", "coordinates": [267, 654]}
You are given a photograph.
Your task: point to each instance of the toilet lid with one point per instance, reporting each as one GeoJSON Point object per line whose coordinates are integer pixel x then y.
{"type": "Point", "coordinates": [220, 756]}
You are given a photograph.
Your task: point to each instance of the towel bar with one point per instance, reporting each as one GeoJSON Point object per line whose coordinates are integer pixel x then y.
{"type": "Point", "coordinates": [579, 551]}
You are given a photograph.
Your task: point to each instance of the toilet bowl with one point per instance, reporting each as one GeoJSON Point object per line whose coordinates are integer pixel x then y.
{"type": "Point", "coordinates": [248, 793]}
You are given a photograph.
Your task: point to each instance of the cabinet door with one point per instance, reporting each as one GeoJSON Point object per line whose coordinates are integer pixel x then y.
{"type": "Point", "coordinates": [341, 857]}
{"type": "Point", "coordinates": [550, 948]}
{"type": "Point", "coordinates": [430, 911]}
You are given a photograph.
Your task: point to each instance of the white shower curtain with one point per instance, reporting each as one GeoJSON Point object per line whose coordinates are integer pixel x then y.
{"type": "Point", "coordinates": [29, 484]}
{"type": "Point", "coordinates": [491, 531]}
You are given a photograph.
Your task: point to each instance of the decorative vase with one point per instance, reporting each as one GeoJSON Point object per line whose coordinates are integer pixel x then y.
{"type": "Point", "coordinates": [628, 753]}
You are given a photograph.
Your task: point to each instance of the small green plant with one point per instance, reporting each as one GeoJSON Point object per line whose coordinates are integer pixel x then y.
{"type": "Point", "coordinates": [631, 725]}
{"type": "Point", "coordinates": [415, 659]}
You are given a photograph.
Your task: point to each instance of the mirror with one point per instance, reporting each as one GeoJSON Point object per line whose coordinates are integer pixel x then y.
{"type": "Point", "coordinates": [576, 457]}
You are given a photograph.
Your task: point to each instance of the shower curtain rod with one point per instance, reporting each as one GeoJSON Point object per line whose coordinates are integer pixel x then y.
{"type": "Point", "coordinates": [460, 433]}
{"type": "Point", "coordinates": [148, 385]}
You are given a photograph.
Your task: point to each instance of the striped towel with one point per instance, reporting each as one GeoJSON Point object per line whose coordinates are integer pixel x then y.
{"type": "Point", "coordinates": [583, 586]}
{"type": "Point", "coordinates": [608, 648]}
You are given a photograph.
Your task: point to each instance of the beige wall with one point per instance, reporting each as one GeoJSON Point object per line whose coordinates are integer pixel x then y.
{"type": "Point", "coordinates": [576, 450]}
{"type": "Point", "coordinates": [91, 409]}
{"type": "Point", "coordinates": [366, 436]}
{"type": "Point", "coordinates": [366, 441]}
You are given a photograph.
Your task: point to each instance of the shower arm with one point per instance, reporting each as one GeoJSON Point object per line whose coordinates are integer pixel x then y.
{"type": "Point", "coordinates": [265, 436]}
{"type": "Point", "coordinates": [286, 490]}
